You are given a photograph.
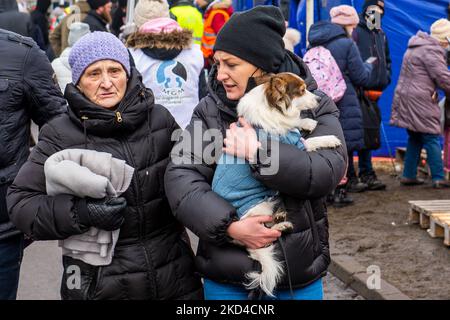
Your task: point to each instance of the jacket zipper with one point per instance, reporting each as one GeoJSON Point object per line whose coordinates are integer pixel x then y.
{"type": "Point", "coordinates": [151, 270]}
{"type": "Point", "coordinates": [118, 117]}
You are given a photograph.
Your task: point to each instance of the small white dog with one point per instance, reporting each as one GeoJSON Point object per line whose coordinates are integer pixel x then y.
{"type": "Point", "coordinates": [275, 106]}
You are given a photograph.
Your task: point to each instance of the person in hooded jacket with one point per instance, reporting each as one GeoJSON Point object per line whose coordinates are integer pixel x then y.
{"type": "Point", "coordinates": [372, 42]}
{"type": "Point", "coordinates": [415, 105]}
{"type": "Point", "coordinates": [336, 37]}
{"type": "Point", "coordinates": [110, 110]}
{"type": "Point", "coordinates": [170, 63]}
{"type": "Point", "coordinates": [250, 44]}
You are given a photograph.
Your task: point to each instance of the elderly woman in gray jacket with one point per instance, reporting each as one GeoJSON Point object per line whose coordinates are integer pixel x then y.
{"type": "Point", "coordinates": [415, 106]}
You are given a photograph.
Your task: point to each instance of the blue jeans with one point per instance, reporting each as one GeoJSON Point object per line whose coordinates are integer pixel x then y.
{"type": "Point", "coordinates": [11, 252]}
{"type": "Point", "coordinates": [218, 291]}
{"type": "Point", "coordinates": [432, 145]}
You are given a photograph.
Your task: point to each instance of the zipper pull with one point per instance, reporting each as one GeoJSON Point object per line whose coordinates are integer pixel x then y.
{"type": "Point", "coordinates": [84, 118]}
{"type": "Point", "coordinates": [118, 117]}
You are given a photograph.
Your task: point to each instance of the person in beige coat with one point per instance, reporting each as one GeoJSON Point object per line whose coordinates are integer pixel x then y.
{"type": "Point", "coordinates": [59, 37]}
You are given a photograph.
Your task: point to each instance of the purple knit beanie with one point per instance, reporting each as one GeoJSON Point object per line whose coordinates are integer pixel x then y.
{"type": "Point", "coordinates": [94, 47]}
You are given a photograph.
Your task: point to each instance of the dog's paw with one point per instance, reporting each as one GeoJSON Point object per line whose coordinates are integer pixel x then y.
{"type": "Point", "coordinates": [279, 216]}
{"type": "Point", "coordinates": [313, 144]}
{"type": "Point", "coordinates": [333, 142]}
{"type": "Point", "coordinates": [307, 124]}
{"type": "Point", "coordinates": [284, 226]}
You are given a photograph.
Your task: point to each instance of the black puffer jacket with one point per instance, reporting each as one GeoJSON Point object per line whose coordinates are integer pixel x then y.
{"type": "Point", "coordinates": [151, 261]}
{"type": "Point", "coordinates": [27, 91]}
{"type": "Point", "coordinates": [302, 176]}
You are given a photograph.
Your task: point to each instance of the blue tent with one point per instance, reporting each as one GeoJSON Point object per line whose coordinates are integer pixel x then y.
{"type": "Point", "coordinates": [402, 20]}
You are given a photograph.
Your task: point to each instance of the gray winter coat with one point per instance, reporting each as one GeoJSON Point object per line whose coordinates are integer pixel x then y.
{"type": "Point", "coordinates": [424, 70]}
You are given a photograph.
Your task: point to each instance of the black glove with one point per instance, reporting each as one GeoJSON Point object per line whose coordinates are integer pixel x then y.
{"type": "Point", "coordinates": [105, 214]}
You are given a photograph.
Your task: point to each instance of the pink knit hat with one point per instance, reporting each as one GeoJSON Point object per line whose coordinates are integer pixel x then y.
{"type": "Point", "coordinates": [160, 25]}
{"type": "Point", "coordinates": [344, 15]}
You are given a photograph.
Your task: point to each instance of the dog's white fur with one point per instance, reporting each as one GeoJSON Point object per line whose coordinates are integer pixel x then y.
{"type": "Point", "coordinates": [254, 107]}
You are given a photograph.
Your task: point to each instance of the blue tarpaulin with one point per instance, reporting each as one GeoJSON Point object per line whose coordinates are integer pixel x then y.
{"type": "Point", "coordinates": [403, 18]}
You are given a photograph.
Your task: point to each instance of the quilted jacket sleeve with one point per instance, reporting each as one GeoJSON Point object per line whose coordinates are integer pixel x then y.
{"type": "Point", "coordinates": [44, 96]}
{"type": "Point", "coordinates": [33, 212]}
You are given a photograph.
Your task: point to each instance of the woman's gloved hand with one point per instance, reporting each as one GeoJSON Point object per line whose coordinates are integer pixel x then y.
{"type": "Point", "coordinates": [105, 214]}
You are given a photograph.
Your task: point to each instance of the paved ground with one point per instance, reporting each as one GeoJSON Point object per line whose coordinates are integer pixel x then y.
{"type": "Point", "coordinates": [41, 275]}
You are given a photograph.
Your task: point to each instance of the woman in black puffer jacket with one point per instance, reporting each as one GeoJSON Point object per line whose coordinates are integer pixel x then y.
{"type": "Point", "coordinates": [110, 110]}
{"type": "Point", "coordinates": [251, 42]}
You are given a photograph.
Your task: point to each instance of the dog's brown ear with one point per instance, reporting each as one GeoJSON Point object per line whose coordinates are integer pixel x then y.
{"type": "Point", "coordinates": [263, 79]}
{"type": "Point", "coordinates": [276, 92]}
{"type": "Point", "coordinates": [296, 89]}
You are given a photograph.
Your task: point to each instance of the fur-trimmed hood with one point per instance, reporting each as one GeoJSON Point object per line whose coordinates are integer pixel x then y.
{"type": "Point", "coordinates": [173, 40]}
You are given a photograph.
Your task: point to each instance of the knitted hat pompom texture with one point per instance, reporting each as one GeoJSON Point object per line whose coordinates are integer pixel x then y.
{"type": "Point", "coordinates": [256, 36]}
{"type": "Point", "coordinates": [440, 30]}
{"type": "Point", "coordinates": [150, 9]}
{"type": "Point", "coordinates": [94, 47]}
{"type": "Point", "coordinates": [344, 15]}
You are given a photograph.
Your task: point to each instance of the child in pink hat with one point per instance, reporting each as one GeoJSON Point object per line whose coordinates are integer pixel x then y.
{"type": "Point", "coordinates": [345, 16]}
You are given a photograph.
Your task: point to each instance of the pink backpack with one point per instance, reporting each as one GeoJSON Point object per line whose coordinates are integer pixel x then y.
{"type": "Point", "coordinates": [326, 72]}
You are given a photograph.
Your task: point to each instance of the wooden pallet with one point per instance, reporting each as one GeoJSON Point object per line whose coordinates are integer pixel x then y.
{"type": "Point", "coordinates": [433, 215]}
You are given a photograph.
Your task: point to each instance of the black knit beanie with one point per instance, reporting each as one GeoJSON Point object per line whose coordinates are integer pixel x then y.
{"type": "Point", "coordinates": [95, 4]}
{"type": "Point", "coordinates": [369, 3]}
{"type": "Point", "coordinates": [256, 36]}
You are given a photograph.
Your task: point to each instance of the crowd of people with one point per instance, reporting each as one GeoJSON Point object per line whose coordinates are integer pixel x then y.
{"type": "Point", "coordinates": [137, 91]}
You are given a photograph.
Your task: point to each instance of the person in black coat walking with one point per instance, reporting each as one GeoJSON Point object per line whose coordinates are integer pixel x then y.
{"type": "Point", "coordinates": [372, 42]}
{"type": "Point", "coordinates": [110, 110]}
{"type": "Point", "coordinates": [249, 44]}
{"type": "Point", "coordinates": [99, 17]}
{"type": "Point", "coordinates": [27, 92]}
